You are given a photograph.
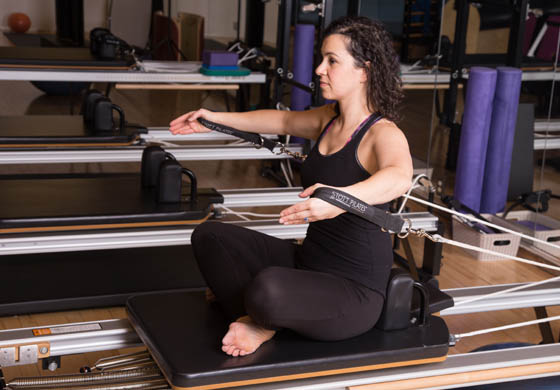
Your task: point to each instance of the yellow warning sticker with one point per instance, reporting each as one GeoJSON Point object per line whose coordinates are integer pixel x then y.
{"type": "Point", "coordinates": [41, 332]}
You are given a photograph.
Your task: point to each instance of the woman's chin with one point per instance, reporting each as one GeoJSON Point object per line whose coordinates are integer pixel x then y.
{"type": "Point", "coordinates": [326, 95]}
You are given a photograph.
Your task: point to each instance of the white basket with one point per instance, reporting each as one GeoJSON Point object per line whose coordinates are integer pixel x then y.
{"type": "Point", "coordinates": [552, 235]}
{"type": "Point", "coordinates": [505, 243]}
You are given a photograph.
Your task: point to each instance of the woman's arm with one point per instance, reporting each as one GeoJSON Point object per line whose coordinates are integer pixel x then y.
{"type": "Point", "coordinates": [391, 180]}
{"type": "Point", "coordinates": [306, 124]}
{"type": "Point", "coordinates": [394, 168]}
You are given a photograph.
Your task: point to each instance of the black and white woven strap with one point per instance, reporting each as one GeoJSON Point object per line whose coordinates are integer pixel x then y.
{"type": "Point", "coordinates": [347, 202]}
{"type": "Point", "coordinates": [254, 138]}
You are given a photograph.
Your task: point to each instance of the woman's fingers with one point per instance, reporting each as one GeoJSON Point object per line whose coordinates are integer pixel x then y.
{"type": "Point", "coordinates": [188, 124]}
{"type": "Point", "coordinates": [310, 210]}
{"type": "Point", "coordinates": [298, 213]}
{"type": "Point", "coordinates": [297, 218]}
{"type": "Point", "coordinates": [179, 120]}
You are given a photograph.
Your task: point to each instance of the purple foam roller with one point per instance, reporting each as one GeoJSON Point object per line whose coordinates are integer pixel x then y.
{"type": "Point", "coordinates": [500, 140]}
{"type": "Point", "coordinates": [474, 136]}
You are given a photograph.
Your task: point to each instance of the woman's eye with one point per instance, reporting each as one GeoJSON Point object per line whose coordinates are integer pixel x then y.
{"type": "Point", "coordinates": [331, 61]}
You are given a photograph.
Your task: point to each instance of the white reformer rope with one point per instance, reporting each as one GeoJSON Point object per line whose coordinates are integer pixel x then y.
{"type": "Point", "coordinates": [242, 214]}
{"type": "Point", "coordinates": [505, 327]}
{"type": "Point", "coordinates": [439, 238]}
{"type": "Point", "coordinates": [412, 187]}
{"type": "Point", "coordinates": [509, 290]}
{"type": "Point", "coordinates": [474, 219]}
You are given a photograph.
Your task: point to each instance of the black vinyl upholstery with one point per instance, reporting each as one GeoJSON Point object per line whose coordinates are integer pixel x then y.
{"type": "Point", "coordinates": [29, 130]}
{"type": "Point", "coordinates": [183, 333]}
{"type": "Point", "coordinates": [48, 282]}
{"type": "Point", "coordinates": [43, 201]}
{"type": "Point", "coordinates": [76, 57]}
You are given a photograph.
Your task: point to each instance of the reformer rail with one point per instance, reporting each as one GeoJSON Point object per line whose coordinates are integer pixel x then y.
{"type": "Point", "coordinates": [134, 154]}
{"type": "Point", "coordinates": [82, 337]}
{"type": "Point", "coordinates": [27, 345]}
{"type": "Point", "coordinates": [14, 244]}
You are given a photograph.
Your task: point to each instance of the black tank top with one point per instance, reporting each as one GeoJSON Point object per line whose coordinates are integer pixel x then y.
{"type": "Point", "coordinates": [347, 245]}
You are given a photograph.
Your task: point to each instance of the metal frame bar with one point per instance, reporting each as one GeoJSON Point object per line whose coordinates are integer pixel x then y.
{"type": "Point", "coordinates": [528, 362]}
{"type": "Point", "coordinates": [134, 154]}
{"type": "Point", "coordinates": [161, 133]}
{"type": "Point", "coordinates": [14, 244]}
{"type": "Point", "coordinates": [537, 296]}
{"type": "Point", "coordinates": [126, 76]}
{"type": "Point", "coordinates": [547, 143]}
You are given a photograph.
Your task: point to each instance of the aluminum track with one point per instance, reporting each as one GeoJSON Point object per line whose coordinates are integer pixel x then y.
{"type": "Point", "coordinates": [14, 244]}
{"type": "Point", "coordinates": [125, 76]}
{"type": "Point", "coordinates": [134, 154]}
{"type": "Point", "coordinates": [456, 371]}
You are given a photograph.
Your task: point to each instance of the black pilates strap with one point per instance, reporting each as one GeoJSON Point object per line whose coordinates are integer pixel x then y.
{"type": "Point", "coordinates": [347, 202]}
{"type": "Point", "coordinates": [254, 138]}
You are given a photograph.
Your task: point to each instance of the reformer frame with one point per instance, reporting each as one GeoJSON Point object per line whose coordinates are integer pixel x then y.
{"type": "Point", "coordinates": [27, 345]}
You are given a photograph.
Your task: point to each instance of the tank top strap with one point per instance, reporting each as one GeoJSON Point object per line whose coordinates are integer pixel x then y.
{"type": "Point", "coordinates": [364, 127]}
{"type": "Point", "coordinates": [326, 129]}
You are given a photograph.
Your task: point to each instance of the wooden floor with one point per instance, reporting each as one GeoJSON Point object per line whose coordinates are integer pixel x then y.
{"type": "Point", "coordinates": [156, 108]}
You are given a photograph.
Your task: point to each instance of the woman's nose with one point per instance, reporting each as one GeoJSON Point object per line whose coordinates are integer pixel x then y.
{"type": "Point", "coordinates": [320, 69]}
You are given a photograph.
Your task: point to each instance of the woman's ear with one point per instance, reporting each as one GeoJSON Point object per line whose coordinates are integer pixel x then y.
{"type": "Point", "coordinates": [365, 72]}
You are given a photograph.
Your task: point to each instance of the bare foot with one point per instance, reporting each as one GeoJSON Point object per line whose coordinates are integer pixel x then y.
{"type": "Point", "coordinates": [244, 337]}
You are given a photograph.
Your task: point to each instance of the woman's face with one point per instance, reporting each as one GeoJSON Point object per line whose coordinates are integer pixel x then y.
{"type": "Point", "coordinates": [339, 77]}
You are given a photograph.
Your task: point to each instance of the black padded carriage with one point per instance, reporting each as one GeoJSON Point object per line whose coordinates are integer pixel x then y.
{"type": "Point", "coordinates": [39, 203]}
{"type": "Point", "coordinates": [57, 58]}
{"type": "Point", "coordinates": [31, 131]}
{"type": "Point", "coordinates": [183, 332]}
{"type": "Point", "coordinates": [48, 282]}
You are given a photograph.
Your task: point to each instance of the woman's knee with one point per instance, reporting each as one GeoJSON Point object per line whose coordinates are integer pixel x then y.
{"type": "Point", "coordinates": [204, 233]}
{"type": "Point", "coordinates": [266, 295]}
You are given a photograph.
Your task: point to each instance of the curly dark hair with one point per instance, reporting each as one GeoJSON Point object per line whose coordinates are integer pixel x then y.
{"type": "Point", "coordinates": [370, 42]}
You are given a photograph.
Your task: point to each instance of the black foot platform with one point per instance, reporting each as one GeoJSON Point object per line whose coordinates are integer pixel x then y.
{"type": "Point", "coordinates": [183, 333]}
{"type": "Point", "coordinates": [49, 131]}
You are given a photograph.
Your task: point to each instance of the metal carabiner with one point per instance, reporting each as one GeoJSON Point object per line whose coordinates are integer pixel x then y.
{"type": "Point", "coordinates": [409, 230]}
{"type": "Point", "coordinates": [259, 145]}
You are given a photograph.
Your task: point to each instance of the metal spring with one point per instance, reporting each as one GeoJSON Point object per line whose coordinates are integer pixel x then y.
{"type": "Point", "coordinates": [65, 380]}
{"type": "Point", "coordinates": [154, 384]}
{"type": "Point", "coordinates": [107, 362]}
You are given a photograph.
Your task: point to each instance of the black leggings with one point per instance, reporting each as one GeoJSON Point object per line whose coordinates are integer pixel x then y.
{"type": "Point", "coordinates": [255, 274]}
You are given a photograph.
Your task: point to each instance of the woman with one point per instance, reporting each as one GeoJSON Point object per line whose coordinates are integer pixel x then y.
{"type": "Point", "coordinates": [332, 286]}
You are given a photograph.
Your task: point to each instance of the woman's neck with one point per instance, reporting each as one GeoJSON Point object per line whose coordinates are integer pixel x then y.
{"type": "Point", "coordinates": [352, 112]}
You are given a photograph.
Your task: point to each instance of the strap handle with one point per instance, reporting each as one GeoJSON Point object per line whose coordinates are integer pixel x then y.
{"type": "Point", "coordinates": [254, 138]}
{"type": "Point", "coordinates": [347, 202]}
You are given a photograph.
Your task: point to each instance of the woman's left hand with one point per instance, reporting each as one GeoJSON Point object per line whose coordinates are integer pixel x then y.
{"type": "Point", "coordinates": [310, 210]}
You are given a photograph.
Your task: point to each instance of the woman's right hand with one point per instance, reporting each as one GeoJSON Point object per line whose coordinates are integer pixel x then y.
{"type": "Point", "coordinates": [188, 124]}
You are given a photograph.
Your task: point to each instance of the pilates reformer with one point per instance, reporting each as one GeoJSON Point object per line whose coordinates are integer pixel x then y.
{"type": "Point", "coordinates": [59, 58]}
{"type": "Point", "coordinates": [108, 217]}
{"type": "Point", "coordinates": [146, 316]}
{"type": "Point", "coordinates": [28, 345]}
